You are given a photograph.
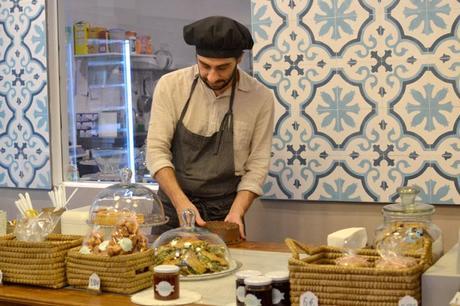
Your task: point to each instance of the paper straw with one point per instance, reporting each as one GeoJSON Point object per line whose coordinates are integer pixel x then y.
{"type": "Point", "coordinates": [57, 196]}
{"type": "Point", "coordinates": [18, 206]}
{"type": "Point", "coordinates": [23, 201]}
{"type": "Point", "coordinates": [50, 195]}
{"type": "Point", "coordinates": [64, 196]}
{"type": "Point", "coordinates": [71, 195]}
{"type": "Point", "coordinates": [29, 201]}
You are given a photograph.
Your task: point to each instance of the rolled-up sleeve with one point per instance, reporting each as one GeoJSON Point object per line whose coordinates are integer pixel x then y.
{"type": "Point", "coordinates": [258, 162]}
{"type": "Point", "coordinates": [161, 129]}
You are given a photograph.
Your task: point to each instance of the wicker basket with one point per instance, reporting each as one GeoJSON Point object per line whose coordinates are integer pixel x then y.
{"type": "Point", "coordinates": [36, 263]}
{"type": "Point", "coordinates": [124, 274]}
{"type": "Point", "coordinates": [352, 286]}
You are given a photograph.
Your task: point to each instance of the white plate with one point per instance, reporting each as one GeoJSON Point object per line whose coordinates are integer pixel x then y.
{"type": "Point", "coordinates": [234, 265]}
{"type": "Point", "coordinates": [146, 298]}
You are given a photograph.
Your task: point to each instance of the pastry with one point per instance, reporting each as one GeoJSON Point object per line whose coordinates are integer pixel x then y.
{"type": "Point", "coordinates": [194, 256]}
{"type": "Point", "coordinates": [126, 244]}
{"type": "Point", "coordinates": [85, 250]}
{"type": "Point", "coordinates": [112, 217]}
{"type": "Point", "coordinates": [126, 239]}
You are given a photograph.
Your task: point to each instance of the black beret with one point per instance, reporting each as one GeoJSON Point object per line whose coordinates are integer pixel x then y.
{"type": "Point", "coordinates": [218, 37]}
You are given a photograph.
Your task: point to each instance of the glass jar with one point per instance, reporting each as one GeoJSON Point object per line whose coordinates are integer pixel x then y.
{"type": "Point", "coordinates": [258, 291]}
{"type": "Point", "coordinates": [410, 214]}
{"type": "Point", "coordinates": [240, 289]}
{"type": "Point", "coordinates": [131, 37]}
{"type": "Point", "coordinates": [166, 282]}
{"type": "Point", "coordinates": [280, 288]}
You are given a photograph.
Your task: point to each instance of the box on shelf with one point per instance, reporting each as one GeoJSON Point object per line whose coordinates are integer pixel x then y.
{"type": "Point", "coordinates": [75, 221]}
{"type": "Point", "coordinates": [80, 32]}
{"type": "Point", "coordinates": [36, 263]}
{"type": "Point", "coordinates": [316, 271]}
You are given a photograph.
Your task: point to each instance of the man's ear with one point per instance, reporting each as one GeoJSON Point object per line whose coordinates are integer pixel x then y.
{"type": "Point", "coordinates": [238, 60]}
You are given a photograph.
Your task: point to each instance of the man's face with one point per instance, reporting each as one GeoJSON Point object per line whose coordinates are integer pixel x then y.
{"type": "Point", "coordinates": [217, 72]}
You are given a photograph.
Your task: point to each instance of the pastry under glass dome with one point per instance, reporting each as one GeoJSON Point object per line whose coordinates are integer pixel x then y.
{"type": "Point", "coordinates": [196, 251]}
{"type": "Point", "coordinates": [125, 199]}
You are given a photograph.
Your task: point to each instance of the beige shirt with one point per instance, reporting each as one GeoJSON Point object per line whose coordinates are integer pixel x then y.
{"type": "Point", "coordinates": [253, 113]}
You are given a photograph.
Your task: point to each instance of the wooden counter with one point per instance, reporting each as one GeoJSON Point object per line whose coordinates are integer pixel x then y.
{"type": "Point", "coordinates": [12, 295]}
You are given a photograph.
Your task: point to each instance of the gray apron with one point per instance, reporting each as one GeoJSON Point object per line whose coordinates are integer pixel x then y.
{"type": "Point", "coordinates": [204, 166]}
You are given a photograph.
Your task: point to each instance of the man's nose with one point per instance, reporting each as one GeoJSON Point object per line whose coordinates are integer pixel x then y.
{"type": "Point", "coordinates": [213, 76]}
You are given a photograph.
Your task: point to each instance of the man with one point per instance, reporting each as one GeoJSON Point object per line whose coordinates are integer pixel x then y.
{"type": "Point", "coordinates": [209, 139]}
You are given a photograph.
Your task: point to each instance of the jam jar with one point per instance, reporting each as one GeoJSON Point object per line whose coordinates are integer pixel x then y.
{"type": "Point", "coordinates": [280, 288]}
{"type": "Point", "coordinates": [258, 291]}
{"type": "Point", "coordinates": [166, 282]}
{"type": "Point", "coordinates": [240, 289]}
{"type": "Point", "coordinates": [411, 216]}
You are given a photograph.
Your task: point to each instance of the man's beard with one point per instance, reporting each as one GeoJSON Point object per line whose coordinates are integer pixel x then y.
{"type": "Point", "coordinates": [225, 84]}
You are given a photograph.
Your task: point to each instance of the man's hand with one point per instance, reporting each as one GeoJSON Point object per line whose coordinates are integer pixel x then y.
{"type": "Point", "coordinates": [234, 217]}
{"type": "Point", "coordinates": [166, 178]}
{"type": "Point", "coordinates": [180, 208]}
{"type": "Point", "coordinates": [243, 200]}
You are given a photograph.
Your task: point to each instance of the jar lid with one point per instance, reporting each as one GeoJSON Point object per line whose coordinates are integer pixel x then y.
{"type": "Point", "coordinates": [257, 281]}
{"type": "Point", "coordinates": [166, 269]}
{"type": "Point", "coordinates": [247, 273]}
{"type": "Point", "coordinates": [408, 205]}
{"type": "Point", "coordinates": [278, 275]}
{"type": "Point", "coordinates": [415, 209]}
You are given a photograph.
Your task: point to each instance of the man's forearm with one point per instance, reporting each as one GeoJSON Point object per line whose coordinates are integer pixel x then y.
{"type": "Point", "coordinates": [166, 178]}
{"type": "Point", "coordinates": [242, 202]}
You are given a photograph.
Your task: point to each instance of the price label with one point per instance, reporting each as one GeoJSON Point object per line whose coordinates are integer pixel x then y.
{"type": "Point", "coordinates": [94, 282]}
{"type": "Point", "coordinates": [308, 299]}
{"type": "Point", "coordinates": [456, 300]}
{"type": "Point", "coordinates": [1, 277]}
{"type": "Point", "coordinates": [408, 301]}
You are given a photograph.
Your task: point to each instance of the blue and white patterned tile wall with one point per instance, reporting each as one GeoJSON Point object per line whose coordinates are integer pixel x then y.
{"type": "Point", "coordinates": [24, 126]}
{"type": "Point", "coordinates": [368, 97]}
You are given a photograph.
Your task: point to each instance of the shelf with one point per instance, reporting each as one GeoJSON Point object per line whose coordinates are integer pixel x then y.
{"type": "Point", "coordinates": [138, 61]}
{"type": "Point", "coordinates": [113, 108]}
{"type": "Point", "coordinates": [112, 54]}
{"type": "Point", "coordinates": [102, 86]}
{"type": "Point", "coordinates": [104, 63]}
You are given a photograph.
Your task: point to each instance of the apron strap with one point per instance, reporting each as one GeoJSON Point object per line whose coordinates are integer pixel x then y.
{"type": "Point", "coordinates": [192, 89]}
{"type": "Point", "coordinates": [227, 121]}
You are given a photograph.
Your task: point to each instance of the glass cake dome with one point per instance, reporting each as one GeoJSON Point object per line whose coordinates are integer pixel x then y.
{"type": "Point", "coordinates": [197, 251]}
{"type": "Point", "coordinates": [125, 199]}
